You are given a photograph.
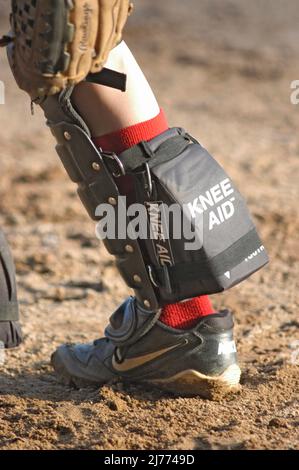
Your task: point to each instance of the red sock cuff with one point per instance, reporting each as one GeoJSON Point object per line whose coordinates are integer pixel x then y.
{"type": "Point", "coordinates": [123, 139]}
{"type": "Point", "coordinates": [186, 314]}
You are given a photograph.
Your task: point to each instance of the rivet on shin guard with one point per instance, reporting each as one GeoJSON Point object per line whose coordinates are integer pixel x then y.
{"type": "Point", "coordinates": [96, 166]}
{"type": "Point", "coordinates": [112, 201]}
{"type": "Point", "coordinates": [129, 249]}
{"type": "Point", "coordinates": [137, 278]}
{"type": "Point", "coordinates": [67, 135]}
{"type": "Point", "coordinates": [146, 303]}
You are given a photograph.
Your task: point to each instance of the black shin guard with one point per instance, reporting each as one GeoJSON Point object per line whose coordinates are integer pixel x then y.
{"type": "Point", "coordinates": [171, 171]}
{"type": "Point", "coordinates": [10, 330]}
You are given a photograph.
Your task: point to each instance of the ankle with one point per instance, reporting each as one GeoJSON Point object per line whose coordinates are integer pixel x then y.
{"type": "Point", "coordinates": [184, 315]}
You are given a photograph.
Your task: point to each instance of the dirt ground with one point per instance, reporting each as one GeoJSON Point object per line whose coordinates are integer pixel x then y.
{"type": "Point", "coordinates": [222, 69]}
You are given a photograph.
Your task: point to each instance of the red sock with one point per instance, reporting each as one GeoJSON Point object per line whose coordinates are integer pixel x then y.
{"type": "Point", "coordinates": [181, 315]}
{"type": "Point", "coordinates": [186, 314]}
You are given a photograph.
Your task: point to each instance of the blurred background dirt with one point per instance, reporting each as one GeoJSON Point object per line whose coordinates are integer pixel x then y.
{"type": "Point", "coordinates": [222, 69]}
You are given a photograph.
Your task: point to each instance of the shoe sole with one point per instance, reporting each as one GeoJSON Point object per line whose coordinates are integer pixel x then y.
{"type": "Point", "coordinates": [188, 383]}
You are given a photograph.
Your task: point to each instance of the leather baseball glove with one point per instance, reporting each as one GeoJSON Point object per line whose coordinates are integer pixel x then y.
{"type": "Point", "coordinates": [57, 43]}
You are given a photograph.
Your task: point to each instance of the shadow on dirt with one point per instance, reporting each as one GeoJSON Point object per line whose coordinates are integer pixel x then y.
{"type": "Point", "coordinates": [44, 386]}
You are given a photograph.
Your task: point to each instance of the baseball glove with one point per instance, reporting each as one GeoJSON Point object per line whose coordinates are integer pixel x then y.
{"type": "Point", "coordinates": [57, 43]}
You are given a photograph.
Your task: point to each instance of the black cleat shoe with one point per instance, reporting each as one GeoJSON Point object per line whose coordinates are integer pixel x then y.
{"type": "Point", "coordinates": [138, 348]}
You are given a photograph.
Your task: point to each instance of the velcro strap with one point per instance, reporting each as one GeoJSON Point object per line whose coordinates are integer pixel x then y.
{"type": "Point", "coordinates": [135, 157]}
{"type": "Point", "coordinates": [171, 276]}
{"type": "Point", "coordinates": [129, 323]}
{"type": "Point", "coordinates": [109, 78]}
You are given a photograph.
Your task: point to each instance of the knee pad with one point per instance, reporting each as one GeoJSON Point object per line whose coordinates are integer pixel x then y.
{"type": "Point", "coordinates": [9, 310]}
{"type": "Point", "coordinates": [203, 240]}
{"type": "Point", "coordinates": [196, 237]}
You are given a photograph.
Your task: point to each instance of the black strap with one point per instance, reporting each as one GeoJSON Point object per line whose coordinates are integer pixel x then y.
{"type": "Point", "coordinates": [135, 157]}
{"type": "Point", "coordinates": [5, 40]}
{"type": "Point", "coordinates": [109, 78]}
{"type": "Point", "coordinates": [208, 268]}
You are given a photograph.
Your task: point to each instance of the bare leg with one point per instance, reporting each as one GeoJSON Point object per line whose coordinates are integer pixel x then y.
{"type": "Point", "coordinates": [105, 109]}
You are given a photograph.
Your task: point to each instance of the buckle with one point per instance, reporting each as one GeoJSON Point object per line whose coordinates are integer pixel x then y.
{"type": "Point", "coordinates": [151, 276]}
{"type": "Point", "coordinates": [149, 185]}
{"type": "Point", "coordinates": [112, 156]}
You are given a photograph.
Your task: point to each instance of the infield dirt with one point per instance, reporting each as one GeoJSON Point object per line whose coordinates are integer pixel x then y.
{"type": "Point", "coordinates": [221, 69]}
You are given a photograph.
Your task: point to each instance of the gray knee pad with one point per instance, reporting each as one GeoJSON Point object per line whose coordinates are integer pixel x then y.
{"type": "Point", "coordinates": [173, 170]}
{"type": "Point", "coordinates": [9, 310]}
{"type": "Point", "coordinates": [215, 245]}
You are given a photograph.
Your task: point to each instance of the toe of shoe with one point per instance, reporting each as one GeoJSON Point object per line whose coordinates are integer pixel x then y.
{"type": "Point", "coordinates": [58, 362]}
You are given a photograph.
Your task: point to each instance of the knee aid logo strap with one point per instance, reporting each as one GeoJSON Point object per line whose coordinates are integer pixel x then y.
{"type": "Point", "coordinates": [193, 182]}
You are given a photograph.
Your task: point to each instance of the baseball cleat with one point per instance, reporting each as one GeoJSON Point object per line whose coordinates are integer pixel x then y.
{"type": "Point", "coordinates": [138, 348]}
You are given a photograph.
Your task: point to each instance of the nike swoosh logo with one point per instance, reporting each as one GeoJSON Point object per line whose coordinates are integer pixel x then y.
{"type": "Point", "coordinates": [133, 362]}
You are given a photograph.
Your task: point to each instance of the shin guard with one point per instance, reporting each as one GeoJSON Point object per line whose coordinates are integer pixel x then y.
{"type": "Point", "coordinates": [196, 235]}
